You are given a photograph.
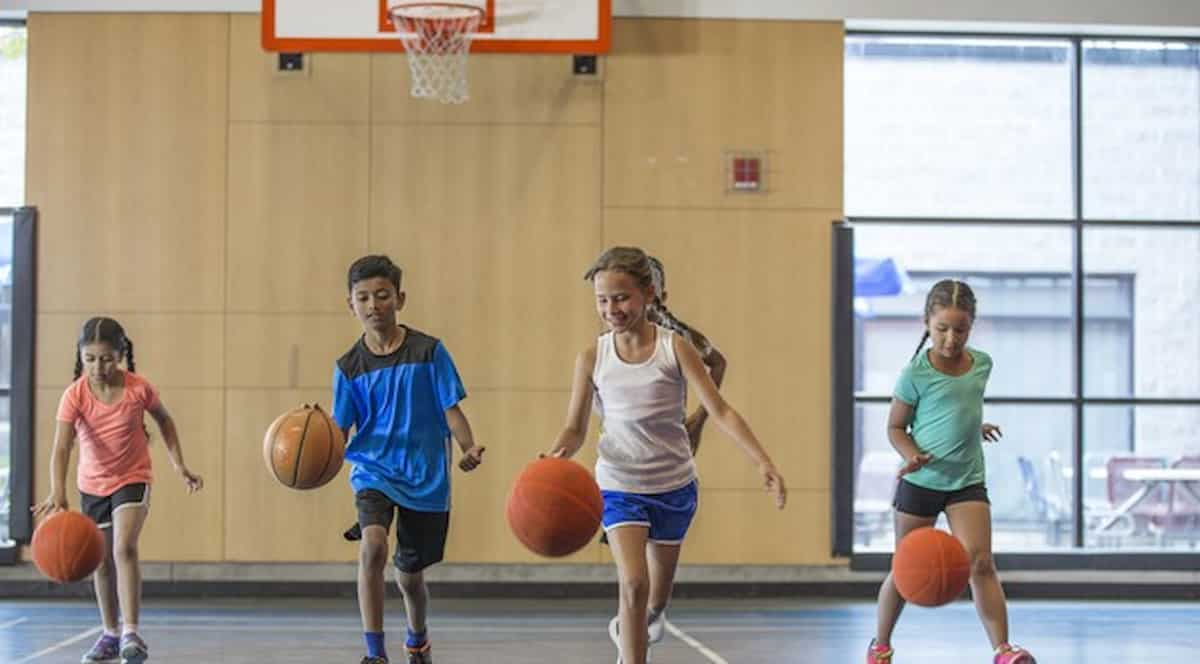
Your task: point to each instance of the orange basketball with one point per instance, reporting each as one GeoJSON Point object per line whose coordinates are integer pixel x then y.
{"type": "Point", "coordinates": [554, 507]}
{"type": "Point", "coordinates": [930, 567]}
{"type": "Point", "coordinates": [67, 547]}
{"type": "Point", "coordinates": [303, 448]}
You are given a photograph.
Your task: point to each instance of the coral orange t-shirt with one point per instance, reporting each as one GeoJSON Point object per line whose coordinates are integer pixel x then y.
{"type": "Point", "coordinates": [113, 450]}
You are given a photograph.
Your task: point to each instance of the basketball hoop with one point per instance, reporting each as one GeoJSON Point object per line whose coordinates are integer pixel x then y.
{"type": "Point", "coordinates": [437, 37]}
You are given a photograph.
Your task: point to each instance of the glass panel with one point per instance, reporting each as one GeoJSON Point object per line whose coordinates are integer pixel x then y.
{"type": "Point", "coordinates": [1029, 489]}
{"type": "Point", "coordinates": [12, 115]}
{"type": "Point", "coordinates": [1143, 477]}
{"type": "Point", "coordinates": [958, 127]}
{"type": "Point", "coordinates": [1142, 308]}
{"type": "Point", "coordinates": [1022, 282]}
{"type": "Point", "coordinates": [1141, 130]}
{"type": "Point", "coordinates": [5, 366]}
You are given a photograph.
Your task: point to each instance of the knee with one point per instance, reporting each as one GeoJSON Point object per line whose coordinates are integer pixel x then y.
{"type": "Point", "coordinates": [411, 585]}
{"type": "Point", "coordinates": [982, 566]}
{"type": "Point", "coordinates": [635, 589]}
{"type": "Point", "coordinates": [125, 552]}
{"type": "Point", "coordinates": [372, 555]}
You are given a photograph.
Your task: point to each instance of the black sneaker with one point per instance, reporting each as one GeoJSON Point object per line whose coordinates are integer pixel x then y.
{"type": "Point", "coordinates": [374, 660]}
{"type": "Point", "coordinates": [353, 534]}
{"type": "Point", "coordinates": [420, 655]}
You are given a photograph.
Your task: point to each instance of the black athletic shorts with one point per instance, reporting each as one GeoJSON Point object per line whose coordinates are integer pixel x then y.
{"type": "Point", "coordinates": [101, 508]}
{"type": "Point", "coordinates": [919, 501]}
{"type": "Point", "coordinates": [420, 536]}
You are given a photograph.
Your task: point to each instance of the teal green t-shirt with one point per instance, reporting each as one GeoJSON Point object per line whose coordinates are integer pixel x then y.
{"type": "Point", "coordinates": [947, 420]}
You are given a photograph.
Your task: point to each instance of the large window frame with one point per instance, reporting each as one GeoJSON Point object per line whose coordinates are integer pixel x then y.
{"type": "Point", "coordinates": [845, 399]}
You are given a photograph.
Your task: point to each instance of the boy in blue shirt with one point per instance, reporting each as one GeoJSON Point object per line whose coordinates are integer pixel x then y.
{"type": "Point", "coordinates": [400, 391]}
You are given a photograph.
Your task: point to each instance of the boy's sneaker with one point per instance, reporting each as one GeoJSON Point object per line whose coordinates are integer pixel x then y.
{"type": "Point", "coordinates": [106, 650]}
{"type": "Point", "coordinates": [1010, 654]}
{"type": "Point", "coordinates": [877, 654]}
{"type": "Point", "coordinates": [420, 655]}
{"type": "Point", "coordinates": [133, 649]}
{"type": "Point", "coordinates": [353, 534]}
{"type": "Point", "coordinates": [374, 660]}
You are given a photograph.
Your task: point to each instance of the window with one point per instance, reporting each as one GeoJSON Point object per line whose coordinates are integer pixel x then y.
{"type": "Point", "coordinates": [1078, 227]}
{"type": "Point", "coordinates": [12, 186]}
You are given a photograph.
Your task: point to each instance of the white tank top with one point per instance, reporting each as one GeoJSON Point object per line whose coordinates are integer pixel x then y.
{"type": "Point", "coordinates": [643, 444]}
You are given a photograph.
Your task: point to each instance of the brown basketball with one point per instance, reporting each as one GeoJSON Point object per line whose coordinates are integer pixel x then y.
{"type": "Point", "coordinates": [67, 547]}
{"type": "Point", "coordinates": [303, 448]}
{"type": "Point", "coordinates": [554, 507]}
{"type": "Point", "coordinates": [930, 567]}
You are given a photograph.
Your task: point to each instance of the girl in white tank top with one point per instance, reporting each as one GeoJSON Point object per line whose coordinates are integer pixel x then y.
{"type": "Point", "coordinates": [638, 374]}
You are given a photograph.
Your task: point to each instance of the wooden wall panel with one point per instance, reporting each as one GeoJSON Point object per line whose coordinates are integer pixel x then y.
{"type": "Point", "coordinates": [170, 350]}
{"type": "Point", "coordinates": [680, 93]}
{"type": "Point", "coordinates": [266, 521]}
{"type": "Point", "coordinates": [297, 215]}
{"type": "Point", "coordinates": [505, 89]}
{"type": "Point", "coordinates": [334, 90]}
{"type": "Point", "coordinates": [494, 229]}
{"type": "Point", "coordinates": [743, 527]}
{"type": "Point", "coordinates": [126, 160]}
{"type": "Point", "coordinates": [515, 426]}
{"type": "Point", "coordinates": [288, 351]}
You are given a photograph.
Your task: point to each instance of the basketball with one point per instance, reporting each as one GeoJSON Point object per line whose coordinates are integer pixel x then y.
{"type": "Point", "coordinates": [303, 448]}
{"type": "Point", "coordinates": [930, 567]}
{"type": "Point", "coordinates": [67, 547]}
{"type": "Point", "coordinates": [554, 508]}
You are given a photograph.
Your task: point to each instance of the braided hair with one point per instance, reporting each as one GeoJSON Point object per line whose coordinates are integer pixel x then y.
{"type": "Point", "coordinates": [947, 293]}
{"type": "Point", "coordinates": [659, 313]}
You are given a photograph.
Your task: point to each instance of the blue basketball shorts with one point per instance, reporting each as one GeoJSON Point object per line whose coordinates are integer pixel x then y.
{"type": "Point", "coordinates": [667, 515]}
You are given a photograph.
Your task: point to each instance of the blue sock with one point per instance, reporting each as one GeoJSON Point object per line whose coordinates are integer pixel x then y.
{"type": "Point", "coordinates": [375, 644]}
{"type": "Point", "coordinates": [415, 639]}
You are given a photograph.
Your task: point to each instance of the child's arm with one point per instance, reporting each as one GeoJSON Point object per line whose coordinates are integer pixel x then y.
{"type": "Point", "coordinates": [694, 424]}
{"type": "Point", "coordinates": [174, 451]}
{"type": "Point", "coordinates": [571, 438]}
{"type": "Point", "coordinates": [460, 428]}
{"type": "Point", "coordinates": [60, 457]}
{"type": "Point", "coordinates": [899, 417]}
{"type": "Point", "coordinates": [727, 418]}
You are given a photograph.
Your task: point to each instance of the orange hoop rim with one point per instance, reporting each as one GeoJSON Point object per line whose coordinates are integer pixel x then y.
{"type": "Point", "coordinates": [396, 12]}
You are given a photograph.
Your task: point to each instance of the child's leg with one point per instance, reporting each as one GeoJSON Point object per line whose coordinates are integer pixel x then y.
{"type": "Point", "coordinates": [128, 520]}
{"type": "Point", "coordinates": [971, 522]}
{"type": "Point", "coordinates": [628, 545]}
{"type": "Point", "coordinates": [416, 599]}
{"type": "Point", "coordinates": [890, 602]}
{"type": "Point", "coordinates": [661, 561]}
{"type": "Point", "coordinates": [372, 559]}
{"type": "Point", "coordinates": [105, 581]}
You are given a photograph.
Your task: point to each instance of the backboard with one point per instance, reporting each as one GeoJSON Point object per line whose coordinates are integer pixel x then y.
{"type": "Point", "coordinates": [509, 26]}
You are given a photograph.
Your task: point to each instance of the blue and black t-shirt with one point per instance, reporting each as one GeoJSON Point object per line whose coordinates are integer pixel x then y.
{"type": "Point", "coordinates": [397, 404]}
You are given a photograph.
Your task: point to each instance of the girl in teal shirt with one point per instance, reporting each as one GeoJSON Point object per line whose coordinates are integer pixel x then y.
{"type": "Point", "coordinates": [936, 424]}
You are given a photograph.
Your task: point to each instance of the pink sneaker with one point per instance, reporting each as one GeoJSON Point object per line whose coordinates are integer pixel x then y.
{"type": "Point", "coordinates": [877, 654]}
{"type": "Point", "coordinates": [1010, 654]}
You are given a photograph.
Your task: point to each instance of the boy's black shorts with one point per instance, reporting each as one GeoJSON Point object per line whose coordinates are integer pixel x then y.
{"type": "Point", "coordinates": [919, 501]}
{"type": "Point", "coordinates": [420, 536]}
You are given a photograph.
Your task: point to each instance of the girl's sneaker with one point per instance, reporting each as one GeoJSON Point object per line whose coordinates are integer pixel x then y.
{"type": "Point", "coordinates": [877, 654]}
{"type": "Point", "coordinates": [420, 655]}
{"type": "Point", "coordinates": [133, 649]}
{"type": "Point", "coordinates": [106, 650]}
{"type": "Point", "coordinates": [1010, 654]}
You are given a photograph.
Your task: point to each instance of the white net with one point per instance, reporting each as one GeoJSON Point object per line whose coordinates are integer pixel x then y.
{"type": "Point", "coordinates": [437, 38]}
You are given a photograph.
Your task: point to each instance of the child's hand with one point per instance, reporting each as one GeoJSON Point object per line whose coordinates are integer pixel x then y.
{"type": "Point", "coordinates": [558, 453]}
{"type": "Point", "coordinates": [991, 432]}
{"type": "Point", "coordinates": [49, 506]}
{"type": "Point", "coordinates": [918, 461]}
{"type": "Point", "coordinates": [471, 458]}
{"type": "Point", "coordinates": [773, 483]}
{"type": "Point", "coordinates": [193, 481]}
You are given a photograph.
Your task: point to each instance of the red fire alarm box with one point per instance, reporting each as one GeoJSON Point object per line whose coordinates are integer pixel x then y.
{"type": "Point", "coordinates": [745, 172]}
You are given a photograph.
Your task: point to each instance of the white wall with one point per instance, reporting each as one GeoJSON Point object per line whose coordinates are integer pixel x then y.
{"type": "Point", "coordinates": [1165, 16]}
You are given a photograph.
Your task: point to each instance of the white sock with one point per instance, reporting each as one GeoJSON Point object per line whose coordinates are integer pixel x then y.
{"type": "Point", "coordinates": [129, 629]}
{"type": "Point", "coordinates": [112, 632]}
